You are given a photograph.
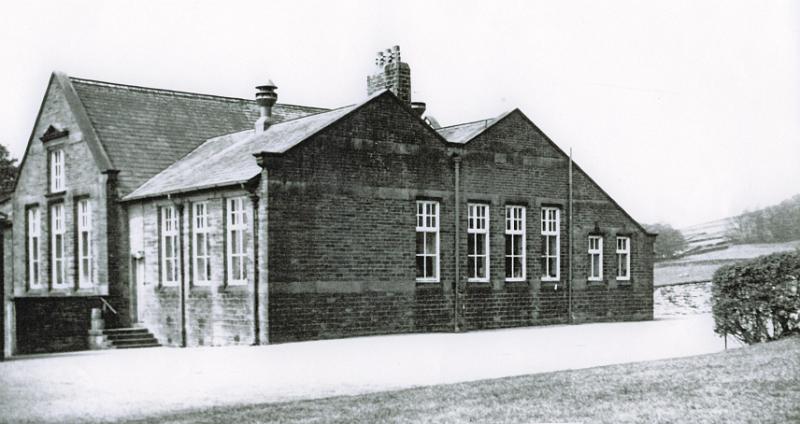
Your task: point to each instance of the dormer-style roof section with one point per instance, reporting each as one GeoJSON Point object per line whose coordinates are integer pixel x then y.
{"type": "Point", "coordinates": [463, 133]}
{"type": "Point", "coordinates": [145, 130]}
{"type": "Point", "coordinates": [53, 132]}
{"type": "Point", "coordinates": [227, 160]}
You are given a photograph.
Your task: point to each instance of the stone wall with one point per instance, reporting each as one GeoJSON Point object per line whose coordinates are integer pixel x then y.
{"type": "Point", "coordinates": [48, 324]}
{"type": "Point", "coordinates": [214, 312]}
{"type": "Point", "coordinates": [342, 218]}
{"type": "Point", "coordinates": [45, 317]}
{"type": "Point", "coordinates": [682, 299]}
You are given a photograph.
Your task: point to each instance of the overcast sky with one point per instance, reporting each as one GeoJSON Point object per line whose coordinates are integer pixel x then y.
{"type": "Point", "coordinates": [684, 111]}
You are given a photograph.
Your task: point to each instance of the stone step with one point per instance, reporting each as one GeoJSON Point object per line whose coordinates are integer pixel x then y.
{"type": "Point", "coordinates": [125, 338]}
{"type": "Point", "coordinates": [138, 345]}
{"type": "Point", "coordinates": [110, 331]}
{"type": "Point", "coordinates": [136, 341]}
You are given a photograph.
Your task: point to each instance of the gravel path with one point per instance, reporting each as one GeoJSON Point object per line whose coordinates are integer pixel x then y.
{"type": "Point", "coordinates": [109, 385]}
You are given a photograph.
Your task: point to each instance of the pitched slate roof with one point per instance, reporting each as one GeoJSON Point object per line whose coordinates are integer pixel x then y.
{"type": "Point", "coordinates": [228, 159]}
{"type": "Point", "coordinates": [463, 133]}
{"type": "Point", "coordinates": [145, 130]}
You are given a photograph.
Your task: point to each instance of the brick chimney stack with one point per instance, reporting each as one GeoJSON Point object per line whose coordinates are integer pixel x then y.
{"type": "Point", "coordinates": [266, 98]}
{"type": "Point", "coordinates": [391, 73]}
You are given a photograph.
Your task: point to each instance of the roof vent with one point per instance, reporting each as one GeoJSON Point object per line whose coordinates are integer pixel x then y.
{"type": "Point", "coordinates": [418, 108]}
{"type": "Point", "coordinates": [266, 98]}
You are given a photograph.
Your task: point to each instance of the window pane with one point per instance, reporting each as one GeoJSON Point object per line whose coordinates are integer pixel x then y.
{"type": "Point", "coordinates": [551, 247]}
{"type": "Point", "coordinates": [552, 267]}
{"type": "Point", "coordinates": [509, 271]}
{"type": "Point", "coordinates": [202, 245]}
{"type": "Point", "coordinates": [429, 266]}
{"type": "Point", "coordinates": [235, 242]}
{"type": "Point", "coordinates": [420, 267]}
{"type": "Point", "coordinates": [240, 270]}
{"type": "Point", "coordinates": [518, 245]}
{"type": "Point", "coordinates": [430, 245]}
{"type": "Point", "coordinates": [85, 243]}
{"type": "Point", "coordinates": [517, 267]}
{"type": "Point", "coordinates": [471, 240]}
{"type": "Point", "coordinates": [480, 244]}
{"type": "Point", "coordinates": [471, 267]}
{"type": "Point", "coordinates": [509, 243]}
{"type": "Point", "coordinates": [420, 243]}
{"type": "Point", "coordinates": [85, 270]}
{"type": "Point", "coordinates": [480, 265]}
{"type": "Point", "coordinates": [59, 247]}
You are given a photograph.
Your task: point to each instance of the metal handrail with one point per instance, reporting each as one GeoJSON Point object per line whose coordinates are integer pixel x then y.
{"type": "Point", "coordinates": [108, 305]}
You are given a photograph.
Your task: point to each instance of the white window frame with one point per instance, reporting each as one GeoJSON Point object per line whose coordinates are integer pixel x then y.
{"type": "Point", "coordinates": [57, 175]}
{"type": "Point", "coordinates": [595, 250]}
{"type": "Point", "coordinates": [551, 227]}
{"type": "Point", "coordinates": [428, 226]}
{"type": "Point", "coordinates": [515, 226]}
{"type": "Point", "coordinates": [85, 243]}
{"type": "Point", "coordinates": [59, 260]}
{"type": "Point", "coordinates": [237, 222]}
{"type": "Point", "coordinates": [170, 225]}
{"type": "Point", "coordinates": [624, 251]}
{"type": "Point", "coordinates": [34, 247]}
{"type": "Point", "coordinates": [201, 261]}
{"type": "Point", "coordinates": [478, 225]}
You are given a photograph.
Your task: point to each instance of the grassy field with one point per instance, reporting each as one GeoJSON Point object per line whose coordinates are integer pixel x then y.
{"type": "Point", "coordinates": [758, 384]}
{"type": "Point", "coordinates": [701, 267]}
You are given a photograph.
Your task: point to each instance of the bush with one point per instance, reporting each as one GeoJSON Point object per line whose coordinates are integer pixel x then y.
{"type": "Point", "coordinates": [758, 300]}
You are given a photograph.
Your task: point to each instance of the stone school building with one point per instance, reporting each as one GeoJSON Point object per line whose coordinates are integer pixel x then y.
{"type": "Point", "coordinates": [187, 219]}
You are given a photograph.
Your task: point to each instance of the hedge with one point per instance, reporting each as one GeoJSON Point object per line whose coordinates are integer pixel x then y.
{"type": "Point", "coordinates": [758, 300]}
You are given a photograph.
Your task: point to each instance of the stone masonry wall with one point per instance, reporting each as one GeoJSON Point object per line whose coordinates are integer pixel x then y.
{"type": "Point", "coordinates": [217, 312]}
{"type": "Point", "coordinates": [343, 264]}
{"type": "Point", "coordinates": [48, 324]}
{"type": "Point", "coordinates": [341, 239]}
{"type": "Point", "coordinates": [70, 304]}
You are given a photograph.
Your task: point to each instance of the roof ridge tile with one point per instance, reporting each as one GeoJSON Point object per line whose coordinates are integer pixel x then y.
{"type": "Point", "coordinates": [177, 93]}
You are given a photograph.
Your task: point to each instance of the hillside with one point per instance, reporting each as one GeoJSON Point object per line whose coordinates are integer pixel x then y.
{"type": "Point", "coordinates": [700, 237]}
{"type": "Point", "coordinates": [701, 267]}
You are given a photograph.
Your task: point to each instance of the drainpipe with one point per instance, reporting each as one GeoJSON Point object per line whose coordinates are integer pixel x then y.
{"type": "Point", "coordinates": [456, 255]}
{"type": "Point", "coordinates": [182, 291]}
{"type": "Point", "coordinates": [2, 288]}
{"type": "Point", "coordinates": [261, 291]}
{"type": "Point", "coordinates": [569, 231]}
{"type": "Point", "coordinates": [256, 324]}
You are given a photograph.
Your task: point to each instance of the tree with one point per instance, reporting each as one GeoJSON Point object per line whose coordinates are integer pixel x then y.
{"type": "Point", "coordinates": [669, 242]}
{"type": "Point", "coordinates": [774, 224]}
{"type": "Point", "coordinates": [8, 171]}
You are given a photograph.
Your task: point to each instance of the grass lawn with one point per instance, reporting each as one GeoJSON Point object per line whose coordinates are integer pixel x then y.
{"type": "Point", "coordinates": [757, 384]}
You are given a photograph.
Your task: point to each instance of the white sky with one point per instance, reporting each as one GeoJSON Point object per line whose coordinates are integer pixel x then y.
{"type": "Point", "coordinates": [683, 110]}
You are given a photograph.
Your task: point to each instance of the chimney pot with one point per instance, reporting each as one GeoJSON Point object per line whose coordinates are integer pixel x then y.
{"type": "Point", "coordinates": [392, 74]}
{"type": "Point", "coordinates": [418, 108]}
{"type": "Point", "coordinates": [266, 97]}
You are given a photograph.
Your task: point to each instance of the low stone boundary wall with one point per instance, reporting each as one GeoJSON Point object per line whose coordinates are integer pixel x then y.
{"type": "Point", "coordinates": [682, 299]}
